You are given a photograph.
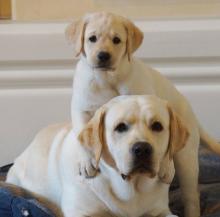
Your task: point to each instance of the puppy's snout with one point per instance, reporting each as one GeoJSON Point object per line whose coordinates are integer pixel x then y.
{"type": "Point", "coordinates": [142, 150]}
{"type": "Point", "coordinates": [104, 56]}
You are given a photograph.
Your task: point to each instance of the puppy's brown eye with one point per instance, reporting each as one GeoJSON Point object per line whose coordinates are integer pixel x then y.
{"type": "Point", "coordinates": [121, 127]}
{"type": "Point", "coordinates": [93, 38]}
{"type": "Point", "coordinates": [116, 40]}
{"type": "Point", "coordinates": [156, 126]}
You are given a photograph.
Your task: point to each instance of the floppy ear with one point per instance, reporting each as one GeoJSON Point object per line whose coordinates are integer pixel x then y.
{"type": "Point", "coordinates": [92, 136]}
{"type": "Point", "coordinates": [75, 35]}
{"type": "Point", "coordinates": [134, 37]}
{"type": "Point", "coordinates": [178, 133]}
{"type": "Point", "coordinates": [178, 138]}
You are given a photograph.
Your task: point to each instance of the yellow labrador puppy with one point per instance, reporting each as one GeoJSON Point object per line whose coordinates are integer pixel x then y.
{"type": "Point", "coordinates": [105, 43]}
{"type": "Point", "coordinates": [129, 137]}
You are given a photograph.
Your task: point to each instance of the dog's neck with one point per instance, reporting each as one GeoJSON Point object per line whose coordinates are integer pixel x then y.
{"type": "Point", "coordinates": [119, 188]}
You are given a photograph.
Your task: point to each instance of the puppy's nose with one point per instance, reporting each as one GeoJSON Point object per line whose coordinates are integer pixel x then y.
{"type": "Point", "coordinates": [104, 56]}
{"type": "Point", "coordinates": [142, 150]}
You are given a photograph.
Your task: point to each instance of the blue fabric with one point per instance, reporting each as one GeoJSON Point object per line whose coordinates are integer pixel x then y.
{"type": "Point", "coordinates": [14, 206]}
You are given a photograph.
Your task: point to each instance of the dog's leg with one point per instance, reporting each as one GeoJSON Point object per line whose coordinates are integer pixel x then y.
{"type": "Point", "coordinates": [78, 200]}
{"type": "Point", "coordinates": [86, 167]}
{"type": "Point", "coordinates": [187, 168]}
{"type": "Point", "coordinates": [79, 119]}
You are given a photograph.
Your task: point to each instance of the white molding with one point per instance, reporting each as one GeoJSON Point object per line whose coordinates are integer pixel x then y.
{"type": "Point", "coordinates": [51, 78]}
{"type": "Point", "coordinates": [163, 39]}
{"type": "Point", "coordinates": [184, 50]}
{"type": "Point", "coordinates": [35, 78]}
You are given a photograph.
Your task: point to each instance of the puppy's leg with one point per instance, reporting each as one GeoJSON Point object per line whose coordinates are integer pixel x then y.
{"type": "Point", "coordinates": [187, 168]}
{"type": "Point", "coordinates": [86, 166]}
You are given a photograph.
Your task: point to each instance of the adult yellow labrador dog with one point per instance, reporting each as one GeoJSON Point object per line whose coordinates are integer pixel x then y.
{"type": "Point", "coordinates": [129, 138]}
{"type": "Point", "coordinates": [105, 43]}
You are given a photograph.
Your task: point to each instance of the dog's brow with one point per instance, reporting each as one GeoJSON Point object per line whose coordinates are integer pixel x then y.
{"type": "Point", "coordinates": [116, 34]}
{"type": "Point", "coordinates": [92, 32]}
{"type": "Point", "coordinates": [129, 120]}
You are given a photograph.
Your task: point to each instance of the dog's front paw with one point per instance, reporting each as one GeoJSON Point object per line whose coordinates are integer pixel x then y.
{"type": "Point", "coordinates": [86, 166]}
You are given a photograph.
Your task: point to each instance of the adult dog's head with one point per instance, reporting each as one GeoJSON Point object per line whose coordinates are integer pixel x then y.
{"type": "Point", "coordinates": [133, 134]}
{"type": "Point", "coordinates": [104, 39]}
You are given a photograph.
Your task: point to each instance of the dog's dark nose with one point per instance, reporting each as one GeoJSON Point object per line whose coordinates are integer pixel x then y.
{"type": "Point", "coordinates": [142, 150]}
{"type": "Point", "coordinates": [104, 56]}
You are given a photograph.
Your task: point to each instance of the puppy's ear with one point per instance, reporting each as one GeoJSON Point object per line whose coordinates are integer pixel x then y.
{"type": "Point", "coordinates": [75, 35]}
{"type": "Point", "coordinates": [178, 133]}
{"type": "Point", "coordinates": [92, 136]}
{"type": "Point", "coordinates": [134, 37]}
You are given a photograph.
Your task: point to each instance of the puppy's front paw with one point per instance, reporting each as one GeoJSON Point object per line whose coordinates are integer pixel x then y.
{"type": "Point", "coordinates": [86, 166]}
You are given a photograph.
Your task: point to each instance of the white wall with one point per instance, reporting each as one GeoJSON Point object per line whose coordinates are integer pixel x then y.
{"type": "Point", "coordinates": [36, 70]}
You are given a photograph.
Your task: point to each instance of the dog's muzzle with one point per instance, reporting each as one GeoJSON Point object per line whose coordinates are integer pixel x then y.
{"type": "Point", "coordinates": [142, 160]}
{"type": "Point", "coordinates": [104, 60]}
{"type": "Point", "coordinates": [141, 152]}
{"type": "Point", "coordinates": [103, 56]}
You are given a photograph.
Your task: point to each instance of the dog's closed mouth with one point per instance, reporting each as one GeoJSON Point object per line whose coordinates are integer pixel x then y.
{"type": "Point", "coordinates": [104, 68]}
{"type": "Point", "coordinates": [139, 170]}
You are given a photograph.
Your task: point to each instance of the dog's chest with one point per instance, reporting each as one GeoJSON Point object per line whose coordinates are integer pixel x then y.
{"type": "Point", "coordinates": [98, 95]}
{"type": "Point", "coordinates": [123, 199]}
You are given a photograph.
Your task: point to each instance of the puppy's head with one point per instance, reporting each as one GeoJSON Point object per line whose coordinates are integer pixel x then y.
{"type": "Point", "coordinates": [134, 134]}
{"type": "Point", "coordinates": [104, 39]}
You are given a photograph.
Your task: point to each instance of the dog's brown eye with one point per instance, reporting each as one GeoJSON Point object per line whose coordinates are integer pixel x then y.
{"type": "Point", "coordinates": [156, 126]}
{"type": "Point", "coordinates": [93, 38]}
{"type": "Point", "coordinates": [116, 40]}
{"type": "Point", "coordinates": [122, 127]}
